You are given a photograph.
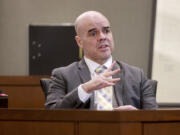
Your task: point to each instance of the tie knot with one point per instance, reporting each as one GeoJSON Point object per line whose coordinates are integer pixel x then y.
{"type": "Point", "coordinates": [100, 69]}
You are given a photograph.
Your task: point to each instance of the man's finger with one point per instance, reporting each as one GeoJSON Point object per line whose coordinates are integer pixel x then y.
{"type": "Point", "coordinates": [111, 73]}
{"type": "Point", "coordinates": [112, 65]}
{"type": "Point", "coordinates": [112, 80]}
{"type": "Point", "coordinates": [126, 107]}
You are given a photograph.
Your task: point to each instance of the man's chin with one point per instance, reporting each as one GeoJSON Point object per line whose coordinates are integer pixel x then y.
{"type": "Point", "coordinates": [105, 57]}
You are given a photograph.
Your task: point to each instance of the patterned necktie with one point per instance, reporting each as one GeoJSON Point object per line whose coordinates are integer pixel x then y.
{"type": "Point", "coordinates": [104, 95]}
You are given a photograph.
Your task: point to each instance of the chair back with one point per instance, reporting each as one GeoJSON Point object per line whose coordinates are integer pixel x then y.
{"type": "Point", "coordinates": [154, 84]}
{"type": "Point", "coordinates": [45, 85]}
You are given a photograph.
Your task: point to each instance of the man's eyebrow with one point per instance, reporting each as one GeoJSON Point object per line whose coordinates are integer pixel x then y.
{"type": "Point", "coordinates": [93, 29]}
{"type": "Point", "coordinates": [107, 27]}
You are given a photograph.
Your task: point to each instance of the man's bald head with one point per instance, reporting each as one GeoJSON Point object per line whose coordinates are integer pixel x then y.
{"type": "Point", "coordinates": [84, 17]}
{"type": "Point", "coordinates": [94, 36]}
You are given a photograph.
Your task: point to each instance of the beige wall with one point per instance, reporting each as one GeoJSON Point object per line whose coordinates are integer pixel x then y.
{"type": "Point", "coordinates": [130, 19]}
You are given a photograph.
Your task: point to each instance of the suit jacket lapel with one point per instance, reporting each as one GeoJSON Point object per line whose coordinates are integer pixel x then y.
{"type": "Point", "coordinates": [85, 76]}
{"type": "Point", "coordinates": [118, 88]}
{"type": "Point", "coordinates": [84, 72]}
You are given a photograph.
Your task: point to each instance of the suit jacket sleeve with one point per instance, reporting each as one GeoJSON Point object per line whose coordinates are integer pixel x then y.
{"type": "Point", "coordinates": [61, 94]}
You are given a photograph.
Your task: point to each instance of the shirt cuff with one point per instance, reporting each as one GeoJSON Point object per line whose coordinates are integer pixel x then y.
{"type": "Point", "coordinates": [83, 95]}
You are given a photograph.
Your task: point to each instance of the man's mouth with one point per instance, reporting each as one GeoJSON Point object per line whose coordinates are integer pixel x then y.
{"type": "Point", "coordinates": [103, 47]}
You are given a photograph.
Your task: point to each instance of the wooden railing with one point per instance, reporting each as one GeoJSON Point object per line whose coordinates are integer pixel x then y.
{"type": "Point", "coordinates": [23, 91]}
{"type": "Point", "coordinates": [84, 122]}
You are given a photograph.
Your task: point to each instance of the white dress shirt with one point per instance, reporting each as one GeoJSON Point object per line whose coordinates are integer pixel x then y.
{"type": "Point", "coordinates": [83, 95]}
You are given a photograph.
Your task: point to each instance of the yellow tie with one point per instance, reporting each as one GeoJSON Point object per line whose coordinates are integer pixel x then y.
{"type": "Point", "coordinates": [104, 95]}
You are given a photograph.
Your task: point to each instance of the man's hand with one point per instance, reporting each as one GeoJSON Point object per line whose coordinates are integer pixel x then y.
{"type": "Point", "coordinates": [125, 107]}
{"type": "Point", "coordinates": [103, 80]}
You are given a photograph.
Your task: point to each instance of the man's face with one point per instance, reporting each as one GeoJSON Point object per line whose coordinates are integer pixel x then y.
{"type": "Point", "coordinates": [95, 37]}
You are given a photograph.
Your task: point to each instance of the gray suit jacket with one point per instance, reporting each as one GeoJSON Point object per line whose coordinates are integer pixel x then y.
{"type": "Point", "coordinates": [133, 88]}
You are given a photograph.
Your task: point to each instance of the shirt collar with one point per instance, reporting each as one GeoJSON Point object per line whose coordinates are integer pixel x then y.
{"type": "Point", "coordinates": [93, 65]}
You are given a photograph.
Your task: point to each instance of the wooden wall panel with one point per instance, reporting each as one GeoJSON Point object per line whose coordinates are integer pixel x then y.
{"type": "Point", "coordinates": [168, 128]}
{"type": "Point", "coordinates": [89, 122]}
{"type": "Point", "coordinates": [110, 128]}
{"type": "Point", "coordinates": [23, 91]}
{"type": "Point", "coordinates": [24, 96]}
{"type": "Point", "coordinates": [36, 128]}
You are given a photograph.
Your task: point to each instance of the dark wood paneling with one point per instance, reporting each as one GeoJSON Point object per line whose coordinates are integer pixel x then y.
{"type": "Point", "coordinates": [23, 91]}
{"type": "Point", "coordinates": [110, 128]}
{"type": "Point", "coordinates": [168, 128]}
{"type": "Point", "coordinates": [24, 96]}
{"type": "Point", "coordinates": [86, 122]}
{"type": "Point", "coordinates": [91, 116]}
{"type": "Point", "coordinates": [20, 80]}
{"type": "Point", "coordinates": [36, 128]}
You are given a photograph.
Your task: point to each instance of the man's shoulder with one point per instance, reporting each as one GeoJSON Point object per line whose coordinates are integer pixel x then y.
{"type": "Point", "coordinates": [69, 68]}
{"type": "Point", "coordinates": [126, 66]}
{"type": "Point", "coordinates": [132, 72]}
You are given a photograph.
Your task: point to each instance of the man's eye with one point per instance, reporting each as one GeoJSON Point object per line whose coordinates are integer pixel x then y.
{"type": "Point", "coordinates": [93, 33]}
{"type": "Point", "coordinates": [107, 30]}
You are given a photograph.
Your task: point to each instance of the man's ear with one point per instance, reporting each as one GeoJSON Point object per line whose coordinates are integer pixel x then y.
{"type": "Point", "coordinates": [78, 41]}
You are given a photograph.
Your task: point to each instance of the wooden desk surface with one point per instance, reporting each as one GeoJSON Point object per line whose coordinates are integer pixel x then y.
{"type": "Point", "coordinates": [85, 122]}
{"type": "Point", "coordinates": [90, 115]}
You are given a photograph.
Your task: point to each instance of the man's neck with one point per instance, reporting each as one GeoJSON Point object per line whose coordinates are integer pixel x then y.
{"type": "Point", "coordinates": [99, 61]}
{"type": "Point", "coordinates": [92, 65]}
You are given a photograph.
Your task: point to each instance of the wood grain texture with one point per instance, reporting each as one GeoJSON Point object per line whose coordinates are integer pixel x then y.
{"type": "Point", "coordinates": [110, 128]}
{"type": "Point", "coordinates": [168, 128]}
{"type": "Point", "coordinates": [36, 128]}
{"type": "Point", "coordinates": [89, 122]}
{"type": "Point", "coordinates": [23, 91]}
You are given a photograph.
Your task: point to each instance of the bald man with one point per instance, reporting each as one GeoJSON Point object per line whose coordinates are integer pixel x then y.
{"type": "Point", "coordinates": [78, 85]}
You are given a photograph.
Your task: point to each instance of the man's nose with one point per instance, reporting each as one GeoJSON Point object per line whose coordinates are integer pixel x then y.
{"type": "Point", "coordinates": [102, 36]}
